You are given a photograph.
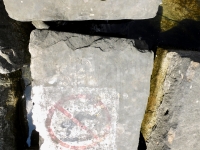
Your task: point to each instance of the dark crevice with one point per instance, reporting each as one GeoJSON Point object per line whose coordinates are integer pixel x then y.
{"type": "Point", "coordinates": [142, 143]}
{"type": "Point", "coordinates": [142, 31]}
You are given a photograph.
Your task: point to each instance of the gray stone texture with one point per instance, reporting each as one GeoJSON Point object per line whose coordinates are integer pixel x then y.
{"type": "Point", "coordinates": [89, 92]}
{"type": "Point", "coordinates": [40, 25]}
{"type": "Point", "coordinates": [29, 10]}
{"type": "Point", "coordinates": [14, 37]}
{"type": "Point", "coordinates": [177, 126]}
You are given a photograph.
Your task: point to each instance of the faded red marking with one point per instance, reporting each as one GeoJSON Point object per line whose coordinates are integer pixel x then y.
{"type": "Point", "coordinates": [77, 122]}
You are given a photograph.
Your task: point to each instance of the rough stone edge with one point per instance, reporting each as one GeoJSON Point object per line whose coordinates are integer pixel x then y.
{"type": "Point", "coordinates": [160, 67]}
{"type": "Point", "coordinates": [63, 18]}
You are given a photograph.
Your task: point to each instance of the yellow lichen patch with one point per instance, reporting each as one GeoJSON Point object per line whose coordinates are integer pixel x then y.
{"type": "Point", "coordinates": [11, 83]}
{"type": "Point", "coordinates": [156, 93]}
{"type": "Point", "coordinates": [181, 9]}
{"type": "Point", "coordinates": [176, 10]}
{"type": "Point", "coordinates": [166, 24]}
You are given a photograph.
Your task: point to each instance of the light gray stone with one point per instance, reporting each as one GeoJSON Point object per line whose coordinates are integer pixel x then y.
{"type": "Point", "coordinates": [30, 10]}
{"type": "Point", "coordinates": [88, 92]}
{"type": "Point", "coordinates": [40, 25]}
{"type": "Point", "coordinates": [177, 126]}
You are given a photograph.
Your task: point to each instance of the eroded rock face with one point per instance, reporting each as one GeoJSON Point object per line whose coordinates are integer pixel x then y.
{"type": "Point", "coordinates": [89, 92]}
{"type": "Point", "coordinates": [177, 124]}
{"type": "Point", "coordinates": [81, 9]}
{"type": "Point", "coordinates": [14, 37]}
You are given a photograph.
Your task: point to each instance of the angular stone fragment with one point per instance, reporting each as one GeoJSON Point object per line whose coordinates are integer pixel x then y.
{"type": "Point", "coordinates": [30, 10]}
{"type": "Point", "coordinates": [40, 25]}
{"type": "Point", "coordinates": [177, 125]}
{"type": "Point", "coordinates": [89, 92]}
{"type": "Point", "coordinates": [14, 37]}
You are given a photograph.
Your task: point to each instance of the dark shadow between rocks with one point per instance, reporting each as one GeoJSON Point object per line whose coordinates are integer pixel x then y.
{"type": "Point", "coordinates": [20, 119]}
{"type": "Point", "coordinates": [14, 125]}
{"type": "Point", "coordinates": [144, 32]}
{"type": "Point", "coordinates": [142, 143]}
{"type": "Point", "coordinates": [14, 54]}
{"type": "Point", "coordinates": [184, 36]}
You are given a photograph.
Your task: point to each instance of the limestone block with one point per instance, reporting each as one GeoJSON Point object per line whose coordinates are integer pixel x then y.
{"type": "Point", "coordinates": [89, 92]}
{"type": "Point", "coordinates": [177, 125]}
{"type": "Point", "coordinates": [33, 10]}
{"type": "Point", "coordinates": [40, 25]}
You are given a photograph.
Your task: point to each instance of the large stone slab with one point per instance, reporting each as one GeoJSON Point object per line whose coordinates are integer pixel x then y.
{"type": "Point", "coordinates": [89, 92]}
{"type": "Point", "coordinates": [177, 125]}
{"type": "Point", "coordinates": [30, 10]}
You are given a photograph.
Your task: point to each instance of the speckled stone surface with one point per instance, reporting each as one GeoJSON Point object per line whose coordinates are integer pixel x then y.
{"type": "Point", "coordinates": [29, 10]}
{"type": "Point", "coordinates": [177, 124]}
{"type": "Point", "coordinates": [89, 92]}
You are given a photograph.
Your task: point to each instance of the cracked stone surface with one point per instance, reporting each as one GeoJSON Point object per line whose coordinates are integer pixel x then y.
{"type": "Point", "coordinates": [177, 125]}
{"type": "Point", "coordinates": [38, 10]}
{"type": "Point", "coordinates": [14, 37]}
{"type": "Point", "coordinates": [89, 92]}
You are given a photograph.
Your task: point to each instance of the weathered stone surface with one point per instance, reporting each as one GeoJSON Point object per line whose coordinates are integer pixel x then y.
{"type": "Point", "coordinates": [81, 10]}
{"type": "Point", "coordinates": [177, 124]}
{"type": "Point", "coordinates": [14, 37]}
{"type": "Point", "coordinates": [89, 92]}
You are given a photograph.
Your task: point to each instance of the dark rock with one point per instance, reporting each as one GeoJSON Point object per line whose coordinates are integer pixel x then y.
{"type": "Point", "coordinates": [14, 37]}
{"type": "Point", "coordinates": [13, 128]}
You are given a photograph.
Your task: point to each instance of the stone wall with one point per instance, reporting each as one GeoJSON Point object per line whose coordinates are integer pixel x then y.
{"type": "Point", "coordinates": [95, 80]}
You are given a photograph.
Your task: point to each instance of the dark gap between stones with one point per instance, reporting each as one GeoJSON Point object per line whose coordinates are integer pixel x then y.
{"type": "Point", "coordinates": [142, 31]}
